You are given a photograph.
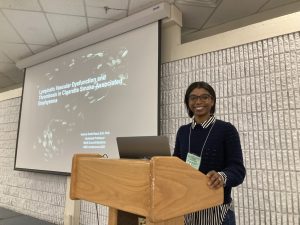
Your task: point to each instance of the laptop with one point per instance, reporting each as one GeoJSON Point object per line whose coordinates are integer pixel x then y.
{"type": "Point", "coordinates": [143, 147]}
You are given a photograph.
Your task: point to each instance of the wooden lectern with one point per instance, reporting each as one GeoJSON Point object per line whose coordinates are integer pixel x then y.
{"type": "Point", "coordinates": [162, 189]}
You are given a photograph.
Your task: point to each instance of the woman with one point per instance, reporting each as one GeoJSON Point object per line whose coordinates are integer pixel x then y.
{"type": "Point", "coordinates": [213, 147]}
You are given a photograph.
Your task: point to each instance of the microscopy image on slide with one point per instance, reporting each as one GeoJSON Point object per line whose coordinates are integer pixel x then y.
{"type": "Point", "coordinates": [106, 71]}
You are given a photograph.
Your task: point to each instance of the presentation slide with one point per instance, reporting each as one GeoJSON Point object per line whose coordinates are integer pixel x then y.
{"type": "Point", "coordinates": [80, 102]}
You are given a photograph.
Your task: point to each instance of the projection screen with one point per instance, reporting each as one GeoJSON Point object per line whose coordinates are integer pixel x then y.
{"type": "Point", "coordinates": [80, 102]}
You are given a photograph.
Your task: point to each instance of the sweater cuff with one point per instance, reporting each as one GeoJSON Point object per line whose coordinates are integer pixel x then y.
{"type": "Point", "coordinates": [224, 177]}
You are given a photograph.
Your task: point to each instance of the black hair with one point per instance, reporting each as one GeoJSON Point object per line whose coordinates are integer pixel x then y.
{"type": "Point", "coordinates": [199, 84]}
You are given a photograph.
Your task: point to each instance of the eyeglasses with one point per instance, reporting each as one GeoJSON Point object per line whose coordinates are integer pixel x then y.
{"type": "Point", "coordinates": [204, 97]}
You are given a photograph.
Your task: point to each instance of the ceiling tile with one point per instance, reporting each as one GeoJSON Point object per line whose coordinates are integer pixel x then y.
{"type": "Point", "coordinates": [276, 3]}
{"type": "Point", "coordinates": [100, 12]}
{"type": "Point", "coordinates": [17, 77]}
{"type": "Point", "coordinates": [32, 26]}
{"type": "Point", "coordinates": [70, 7]}
{"type": "Point", "coordinates": [5, 81]}
{"type": "Point", "coordinates": [186, 31]}
{"type": "Point", "coordinates": [114, 4]}
{"type": "Point", "coordinates": [15, 52]}
{"type": "Point", "coordinates": [40, 31]}
{"type": "Point", "coordinates": [5, 67]}
{"type": "Point", "coordinates": [95, 23]}
{"type": "Point", "coordinates": [20, 4]}
{"type": "Point", "coordinates": [39, 48]}
{"type": "Point", "coordinates": [230, 10]}
{"type": "Point", "coordinates": [4, 58]}
{"type": "Point", "coordinates": [12, 72]}
{"type": "Point", "coordinates": [194, 16]}
{"type": "Point", "coordinates": [73, 26]}
{"type": "Point", "coordinates": [8, 34]}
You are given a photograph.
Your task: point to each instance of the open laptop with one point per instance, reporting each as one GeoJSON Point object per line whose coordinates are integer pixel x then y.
{"type": "Point", "coordinates": [143, 147]}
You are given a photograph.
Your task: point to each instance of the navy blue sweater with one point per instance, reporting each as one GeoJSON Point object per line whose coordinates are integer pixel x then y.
{"type": "Point", "coordinates": [222, 151]}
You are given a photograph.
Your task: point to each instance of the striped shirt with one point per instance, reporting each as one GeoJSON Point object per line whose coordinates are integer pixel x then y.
{"type": "Point", "coordinates": [216, 214]}
{"type": "Point", "coordinates": [208, 122]}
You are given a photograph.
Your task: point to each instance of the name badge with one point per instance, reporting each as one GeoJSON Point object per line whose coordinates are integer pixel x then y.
{"type": "Point", "coordinates": [193, 160]}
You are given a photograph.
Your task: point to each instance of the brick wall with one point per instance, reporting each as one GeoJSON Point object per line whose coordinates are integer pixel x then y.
{"type": "Point", "coordinates": [258, 90]}
{"type": "Point", "coordinates": [39, 195]}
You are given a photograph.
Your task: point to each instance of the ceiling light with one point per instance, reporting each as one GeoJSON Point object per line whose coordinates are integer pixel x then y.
{"type": "Point", "coordinates": [202, 3]}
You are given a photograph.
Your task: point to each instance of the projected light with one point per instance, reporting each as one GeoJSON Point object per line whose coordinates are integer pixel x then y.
{"type": "Point", "coordinates": [82, 101]}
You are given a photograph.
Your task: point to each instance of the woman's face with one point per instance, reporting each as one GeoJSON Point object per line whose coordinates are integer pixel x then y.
{"type": "Point", "coordinates": [200, 103]}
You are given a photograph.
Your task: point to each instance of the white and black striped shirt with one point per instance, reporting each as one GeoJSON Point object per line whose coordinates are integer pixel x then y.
{"type": "Point", "coordinates": [210, 216]}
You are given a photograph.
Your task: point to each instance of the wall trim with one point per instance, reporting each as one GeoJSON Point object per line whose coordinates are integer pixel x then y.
{"type": "Point", "coordinates": [11, 94]}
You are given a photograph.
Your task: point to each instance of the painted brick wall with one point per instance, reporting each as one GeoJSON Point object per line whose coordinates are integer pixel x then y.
{"type": "Point", "coordinates": [39, 195]}
{"type": "Point", "coordinates": [258, 90]}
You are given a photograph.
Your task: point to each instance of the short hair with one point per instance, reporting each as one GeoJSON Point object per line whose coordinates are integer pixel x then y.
{"type": "Point", "coordinates": [199, 84]}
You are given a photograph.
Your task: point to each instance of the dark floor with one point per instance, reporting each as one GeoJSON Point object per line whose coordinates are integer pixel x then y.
{"type": "Point", "coordinates": [8, 217]}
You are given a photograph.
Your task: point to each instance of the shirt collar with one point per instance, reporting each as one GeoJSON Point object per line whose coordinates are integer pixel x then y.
{"type": "Point", "coordinates": [209, 121]}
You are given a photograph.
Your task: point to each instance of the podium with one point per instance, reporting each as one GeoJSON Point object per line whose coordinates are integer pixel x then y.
{"type": "Point", "coordinates": [161, 190]}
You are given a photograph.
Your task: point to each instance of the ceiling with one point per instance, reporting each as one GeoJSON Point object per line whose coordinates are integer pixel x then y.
{"type": "Point", "coordinates": [31, 26]}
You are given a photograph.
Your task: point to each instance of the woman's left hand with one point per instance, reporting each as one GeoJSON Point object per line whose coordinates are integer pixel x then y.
{"type": "Point", "coordinates": [215, 180]}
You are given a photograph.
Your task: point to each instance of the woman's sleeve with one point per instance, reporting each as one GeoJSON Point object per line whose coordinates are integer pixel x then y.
{"type": "Point", "coordinates": [177, 145]}
{"type": "Point", "coordinates": [234, 166]}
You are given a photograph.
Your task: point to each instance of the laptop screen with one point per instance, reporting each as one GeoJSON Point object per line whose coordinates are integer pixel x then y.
{"type": "Point", "coordinates": [143, 147]}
